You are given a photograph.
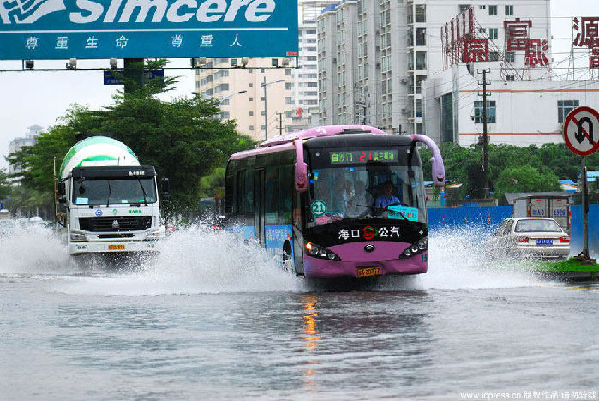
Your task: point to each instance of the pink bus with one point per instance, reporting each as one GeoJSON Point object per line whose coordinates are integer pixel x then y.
{"type": "Point", "coordinates": [335, 201]}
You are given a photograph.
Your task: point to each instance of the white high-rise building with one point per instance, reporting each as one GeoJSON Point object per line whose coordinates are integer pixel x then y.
{"type": "Point", "coordinates": [17, 144]}
{"type": "Point", "coordinates": [374, 55]}
{"type": "Point", "coordinates": [292, 92]}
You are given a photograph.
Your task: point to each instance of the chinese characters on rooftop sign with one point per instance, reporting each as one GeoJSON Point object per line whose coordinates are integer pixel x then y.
{"type": "Point", "coordinates": [459, 40]}
{"type": "Point", "coordinates": [586, 33]}
{"type": "Point", "coordinates": [517, 38]}
{"type": "Point", "coordinates": [92, 29]}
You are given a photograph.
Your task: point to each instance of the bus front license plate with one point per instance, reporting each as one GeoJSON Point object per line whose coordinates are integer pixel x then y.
{"type": "Point", "coordinates": [120, 247]}
{"type": "Point", "coordinates": [369, 271]}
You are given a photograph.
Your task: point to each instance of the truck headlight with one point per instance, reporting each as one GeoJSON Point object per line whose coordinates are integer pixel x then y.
{"type": "Point", "coordinates": [155, 235]}
{"type": "Point", "coordinates": [75, 236]}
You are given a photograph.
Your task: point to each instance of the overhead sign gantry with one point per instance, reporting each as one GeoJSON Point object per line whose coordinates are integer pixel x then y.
{"type": "Point", "coordinates": [101, 29]}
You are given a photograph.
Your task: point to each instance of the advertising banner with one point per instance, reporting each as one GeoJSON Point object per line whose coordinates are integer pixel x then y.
{"type": "Point", "coordinates": [97, 29]}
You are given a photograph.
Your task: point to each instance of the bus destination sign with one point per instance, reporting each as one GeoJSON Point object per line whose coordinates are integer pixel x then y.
{"type": "Point", "coordinates": [364, 156]}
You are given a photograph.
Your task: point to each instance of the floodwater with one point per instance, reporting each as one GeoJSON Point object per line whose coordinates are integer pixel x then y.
{"type": "Point", "coordinates": [212, 319]}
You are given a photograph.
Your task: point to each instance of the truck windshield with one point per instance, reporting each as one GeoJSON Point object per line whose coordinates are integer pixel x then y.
{"type": "Point", "coordinates": [366, 191]}
{"type": "Point", "coordinates": [114, 191]}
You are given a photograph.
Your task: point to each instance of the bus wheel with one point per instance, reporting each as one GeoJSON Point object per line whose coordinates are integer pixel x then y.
{"type": "Point", "coordinates": [287, 257]}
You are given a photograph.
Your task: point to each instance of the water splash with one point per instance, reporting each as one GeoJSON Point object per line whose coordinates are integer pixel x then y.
{"type": "Point", "coordinates": [195, 261]}
{"type": "Point", "coordinates": [28, 248]}
{"type": "Point", "coordinates": [459, 258]}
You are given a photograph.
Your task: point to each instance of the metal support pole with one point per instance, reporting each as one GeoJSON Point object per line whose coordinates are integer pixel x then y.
{"type": "Point", "coordinates": [265, 111]}
{"type": "Point", "coordinates": [585, 210]}
{"type": "Point", "coordinates": [485, 138]}
{"type": "Point", "coordinates": [280, 123]}
{"type": "Point", "coordinates": [133, 72]}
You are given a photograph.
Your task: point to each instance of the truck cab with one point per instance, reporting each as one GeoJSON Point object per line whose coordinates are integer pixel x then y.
{"type": "Point", "coordinates": [110, 209]}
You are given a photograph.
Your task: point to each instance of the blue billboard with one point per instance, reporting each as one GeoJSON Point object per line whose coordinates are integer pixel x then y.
{"type": "Point", "coordinates": [94, 29]}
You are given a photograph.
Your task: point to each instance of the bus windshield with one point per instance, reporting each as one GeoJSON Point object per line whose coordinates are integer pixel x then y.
{"type": "Point", "coordinates": [374, 190]}
{"type": "Point", "coordinates": [114, 191]}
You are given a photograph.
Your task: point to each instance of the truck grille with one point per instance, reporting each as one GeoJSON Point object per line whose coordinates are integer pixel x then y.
{"type": "Point", "coordinates": [117, 223]}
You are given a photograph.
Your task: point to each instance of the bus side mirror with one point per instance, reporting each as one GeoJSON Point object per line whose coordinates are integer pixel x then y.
{"type": "Point", "coordinates": [62, 189]}
{"type": "Point", "coordinates": [437, 160]}
{"type": "Point", "coordinates": [301, 177]}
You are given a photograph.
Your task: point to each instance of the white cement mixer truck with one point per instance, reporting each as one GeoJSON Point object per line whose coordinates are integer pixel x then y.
{"type": "Point", "coordinates": [106, 201]}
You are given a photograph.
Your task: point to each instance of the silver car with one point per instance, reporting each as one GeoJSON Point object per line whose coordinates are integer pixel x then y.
{"type": "Point", "coordinates": [530, 237]}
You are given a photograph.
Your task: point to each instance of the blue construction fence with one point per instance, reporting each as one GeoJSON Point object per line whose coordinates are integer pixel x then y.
{"type": "Point", "coordinates": [468, 216]}
{"type": "Point", "coordinates": [577, 241]}
{"type": "Point", "coordinates": [490, 217]}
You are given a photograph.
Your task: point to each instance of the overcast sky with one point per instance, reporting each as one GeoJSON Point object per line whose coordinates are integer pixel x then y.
{"type": "Point", "coordinates": [35, 97]}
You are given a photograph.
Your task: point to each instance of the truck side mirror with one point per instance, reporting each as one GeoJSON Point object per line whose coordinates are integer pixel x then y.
{"type": "Point", "coordinates": [164, 185]}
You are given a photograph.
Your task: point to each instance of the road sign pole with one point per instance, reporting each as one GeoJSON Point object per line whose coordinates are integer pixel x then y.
{"type": "Point", "coordinates": [585, 210]}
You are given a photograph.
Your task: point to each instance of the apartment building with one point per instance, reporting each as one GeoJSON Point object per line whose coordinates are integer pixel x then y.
{"type": "Point", "coordinates": [292, 88]}
{"type": "Point", "coordinates": [396, 45]}
{"type": "Point", "coordinates": [257, 98]}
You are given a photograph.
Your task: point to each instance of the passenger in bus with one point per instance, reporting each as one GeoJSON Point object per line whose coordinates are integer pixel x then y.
{"type": "Point", "coordinates": [339, 197]}
{"type": "Point", "coordinates": [387, 198]}
{"type": "Point", "coordinates": [359, 204]}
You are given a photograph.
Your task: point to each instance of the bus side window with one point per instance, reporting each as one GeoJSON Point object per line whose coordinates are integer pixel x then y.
{"type": "Point", "coordinates": [238, 208]}
{"type": "Point", "coordinates": [286, 191]}
{"type": "Point", "coordinates": [271, 193]}
{"type": "Point", "coordinates": [248, 193]}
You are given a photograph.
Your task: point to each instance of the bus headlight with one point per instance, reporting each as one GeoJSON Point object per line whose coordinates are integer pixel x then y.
{"type": "Point", "coordinates": [320, 252]}
{"type": "Point", "coordinates": [414, 249]}
{"type": "Point", "coordinates": [77, 237]}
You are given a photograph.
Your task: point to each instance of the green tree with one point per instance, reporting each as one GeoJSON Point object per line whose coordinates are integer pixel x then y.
{"type": "Point", "coordinates": [213, 185]}
{"type": "Point", "coordinates": [5, 187]}
{"type": "Point", "coordinates": [183, 138]}
{"type": "Point", "coordinates": [525, 178]}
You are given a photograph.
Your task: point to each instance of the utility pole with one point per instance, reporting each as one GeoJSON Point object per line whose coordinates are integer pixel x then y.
{"type": "Point", "coordinates": [280, 114]}
{"type": "Point", "coordinates": [265, 111]}
{"type": "Point", "coordinates": [485, 136]}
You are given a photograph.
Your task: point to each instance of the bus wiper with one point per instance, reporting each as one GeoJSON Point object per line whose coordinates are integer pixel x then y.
{"type": "Point", "coordinates": [144, 191]}
{"type": "Point", "coordinates": [109, 193]}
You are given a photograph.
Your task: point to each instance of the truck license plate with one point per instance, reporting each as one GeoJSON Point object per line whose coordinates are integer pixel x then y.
{"type": "Point", "coordinates": [119, 247]}
{"type": "Point", "coordinates": [369, 271]}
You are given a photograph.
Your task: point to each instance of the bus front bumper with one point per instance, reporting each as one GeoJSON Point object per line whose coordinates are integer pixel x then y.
{"type": "Point", "coordinates": [383, 261]}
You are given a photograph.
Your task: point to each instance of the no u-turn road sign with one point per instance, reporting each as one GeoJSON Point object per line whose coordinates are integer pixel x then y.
{"type": "Point", "coordinates": [581, 131]}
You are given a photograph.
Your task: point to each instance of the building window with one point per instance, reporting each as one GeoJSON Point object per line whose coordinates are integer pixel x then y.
{"type": "Point", "coordinates": [251, 99]}
{"type": "Point", "coordinates": [493, 56]}
{"type": "Point", "coordinates": [420, 36]}
{"type": "Point", "coordinates": [509, 10]}
{"type": "Point", "coordinates": [251, 127]}
{"type": "Point", "coordinates": [421, 60]}
{"type": "Point", "coordinates": [251, 113]}
{"type": "Point", "coordinates": [464, 7]}
{"type": "Point", "coordinates": [564, 107]}
{"type": "Point", "coordinates": [510, 77]}
{"type": "Point", "coordinates": [251, 85]}
{"type": "Point", "coordinates": [478, 111]}
{"type": "Point", "coordinates": [492, 10]}
{"type": "Point", "coordinates": [420, 12]}
{"type": "Point", "coordinates": [510, 57]}
{"type": "Point", "coordinates": [493, 33]}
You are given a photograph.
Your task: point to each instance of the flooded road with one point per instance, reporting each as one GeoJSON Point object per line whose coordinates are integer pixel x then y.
{"type": "Point", "coordinates": [212, 319]}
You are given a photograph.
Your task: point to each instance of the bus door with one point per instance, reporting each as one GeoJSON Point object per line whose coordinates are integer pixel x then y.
{"type": "Point", "coordinates": [259, 205]}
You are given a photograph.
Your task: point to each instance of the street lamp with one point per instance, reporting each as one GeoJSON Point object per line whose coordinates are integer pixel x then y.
{"type": "Point", "coordinates": [264, 84]}
{"type": "Point", "coordinates": [231, 95]}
